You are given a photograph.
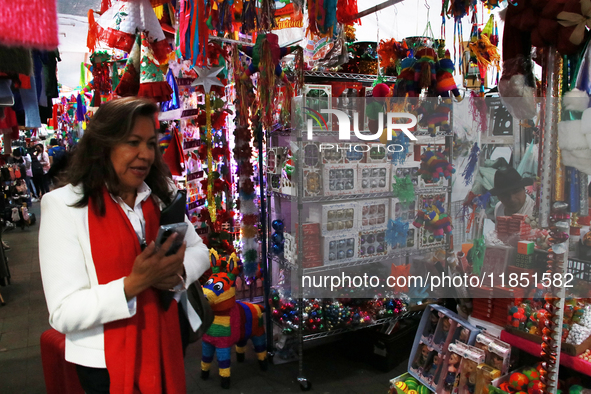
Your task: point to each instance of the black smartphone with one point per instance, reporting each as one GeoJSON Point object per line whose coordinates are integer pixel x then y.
{"type": "Point", "coordinates": [166, 231]}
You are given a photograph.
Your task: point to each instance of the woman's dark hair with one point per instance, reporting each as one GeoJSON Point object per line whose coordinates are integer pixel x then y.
{"type": "Point", "coordinates": [91, 166]}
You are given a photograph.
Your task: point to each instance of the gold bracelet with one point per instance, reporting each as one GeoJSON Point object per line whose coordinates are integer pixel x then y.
{"type": "Point", "coordinates": [174, 290]}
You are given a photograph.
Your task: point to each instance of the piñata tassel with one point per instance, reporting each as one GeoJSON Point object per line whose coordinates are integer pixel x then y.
{"type": "Point", "coordinates": [114, 76]}
{"type": "Point", "coordinates": [92, 35]}
{"type": "Point", "coordinates": [468, 173]}
{"type": "Point", "coordinates": [249, 16]}
{"type": "Point", "coordinates": [267, 15]}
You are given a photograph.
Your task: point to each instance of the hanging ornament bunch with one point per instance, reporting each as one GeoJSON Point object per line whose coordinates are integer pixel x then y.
{"type": "Point", "coordinates": [277, 238]}
{"type": "Point", "coordinates": [434, 219]}
{"type": "Point", "coordinates": [246, 103]}
{"type": "Point", "coordinates": [435, 165]}
{"type": "Point", "coordinates": [552, 333]}
{"type": "Point", "coordinates": [391, 52]}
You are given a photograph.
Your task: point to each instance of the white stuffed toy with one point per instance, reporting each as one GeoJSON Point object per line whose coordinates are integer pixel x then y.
{"type": "Point", "coordinates": [574, 136]}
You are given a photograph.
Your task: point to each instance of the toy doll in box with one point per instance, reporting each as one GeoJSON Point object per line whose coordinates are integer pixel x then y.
{"type": "Point", "coordinates": [467, 383]}
{"type": "Point", "coordinates": [463, 334]}
{"type": "Point", "coordinates": [453, 367]}
{"type": "Point", "coordinates": [421, 358]}
{"type": "Point", "coordinates": [431, 326]}
{"type": "Point", "coordinates": [430, 370]}
{"type": "Point", "coordinates": [443, 330]}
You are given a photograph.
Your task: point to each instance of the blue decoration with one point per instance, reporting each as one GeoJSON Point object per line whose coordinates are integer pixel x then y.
{"type": "Point", "coordinates": [277, 238]}
{"type": "Point", "coordinates": [397, 233]}
{"type": "Point", "coordinates": [468, 173]}
{"type": "Point", "coordinates": [277, 248]}
{"type": "Point", "coordinates": [277, 225]}
{"type": "Point", "coordinates": [174, 102]}
{"type": "Point", "coordinates": [399, 158]}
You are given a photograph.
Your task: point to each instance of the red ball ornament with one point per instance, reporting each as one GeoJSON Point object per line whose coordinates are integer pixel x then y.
{"type": "Point", "coordinates": [380, 90]}
{"type": "Point", "coordinates": [536, 387]}
{"type": "Point", "coordinates": [518, 381]}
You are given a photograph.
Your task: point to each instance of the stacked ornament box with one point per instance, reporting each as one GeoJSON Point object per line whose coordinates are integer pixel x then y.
{"type": "Point", "coordinates": [482, 303]}
{"type": "Point", "coordinates": [508, 226]}
{"type": "Point", "coordinates": [312, 246]}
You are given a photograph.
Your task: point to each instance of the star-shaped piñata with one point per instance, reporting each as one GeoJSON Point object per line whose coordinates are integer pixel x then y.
{"type": "Point", "coordinates": [207, 77]}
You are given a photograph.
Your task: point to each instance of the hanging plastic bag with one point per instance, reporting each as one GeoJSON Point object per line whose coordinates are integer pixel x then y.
{"type": "Point", "coordinates": [15, 215]}
{"type": "Point", "coordinates": [528, 167]}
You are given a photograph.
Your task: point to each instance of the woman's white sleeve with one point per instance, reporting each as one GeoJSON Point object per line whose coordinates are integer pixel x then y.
{"type": "Point", "coordinates": [74, 303]}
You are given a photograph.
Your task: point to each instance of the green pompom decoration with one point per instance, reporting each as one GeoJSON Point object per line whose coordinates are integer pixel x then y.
{"type": "Point", "coordinates": [403, 189]}
{"type": "Point", "coordinates": [250, 256]}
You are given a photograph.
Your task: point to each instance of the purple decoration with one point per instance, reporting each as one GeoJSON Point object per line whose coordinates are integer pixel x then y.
{"type": "Point", "coordinates": [80, 109]}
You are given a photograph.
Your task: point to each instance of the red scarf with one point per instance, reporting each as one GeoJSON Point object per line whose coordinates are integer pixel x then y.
{"type": "Point", "coordinates": [144, 352]}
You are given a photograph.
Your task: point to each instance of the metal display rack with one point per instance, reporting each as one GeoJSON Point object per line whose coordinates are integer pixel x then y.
{"type": "Point", "coordinates": [298, 200]}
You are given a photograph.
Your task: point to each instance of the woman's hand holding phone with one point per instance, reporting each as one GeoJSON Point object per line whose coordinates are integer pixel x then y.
{"type": "Point", "coordinates": [153, 268]}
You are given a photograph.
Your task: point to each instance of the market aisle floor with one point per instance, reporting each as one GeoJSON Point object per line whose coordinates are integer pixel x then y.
{"type": "Point", "coordinates": [25, 316]}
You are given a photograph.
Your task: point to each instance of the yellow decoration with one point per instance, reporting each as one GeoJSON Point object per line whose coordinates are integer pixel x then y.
{"type": "Point", "coordinates": [248, 231]}
{"type": "Point", "coordinates": [401, 386]}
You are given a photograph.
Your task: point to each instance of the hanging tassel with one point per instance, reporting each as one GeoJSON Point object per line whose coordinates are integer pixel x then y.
{"type": "Point", "coordinates": [468, 173]}
{"type": "Point", "coordinates": [92, 35]}
{"type": "Point", "coordinates": [267, 16]}
{"type": "Point", "coordinates": [312, 11]}
{"type": "Point", "coordinates": [346, 10]}
{"type": "Point", "coordinates": [267, 82]}
{"type": "Point", "coordinates": [478, 111]}
{"type": "Point", "coordinates": [249, 16]}
{"type": "Point", "coordinates": [114, 76]}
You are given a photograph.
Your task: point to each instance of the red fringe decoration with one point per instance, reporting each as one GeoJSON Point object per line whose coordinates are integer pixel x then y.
{"type": "Point", "coordinates": [159, 91]}
{"type": "Point", "coordinates": [92, 35]}
{"type": "Point", "coordinates": [346, 10]}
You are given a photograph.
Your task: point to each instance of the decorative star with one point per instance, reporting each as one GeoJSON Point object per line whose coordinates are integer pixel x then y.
{"type": "Point", "coordinates": [207, 77]}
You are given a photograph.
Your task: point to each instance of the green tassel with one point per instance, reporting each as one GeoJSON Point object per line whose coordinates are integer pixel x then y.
{"type": "Point", "coordinates": [115, 76]}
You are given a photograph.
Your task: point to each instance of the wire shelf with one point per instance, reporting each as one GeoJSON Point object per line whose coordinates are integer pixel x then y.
{"type": "Point", "coordinates": [357, 263]}
{"type": "Point", "coordinates": [339, 331]}
{"type": "Point", "coordinates": [354, 197]}
{"type": "Point", "coordinates": [336, 75]}
{"type": "Point", "coordinates": [379, 322]}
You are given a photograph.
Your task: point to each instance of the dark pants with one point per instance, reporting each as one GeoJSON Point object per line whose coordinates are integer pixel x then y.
{"type": "Point", "coordinates": [40, 184]}
{"type": "Point", "coordinates": [97, 380]}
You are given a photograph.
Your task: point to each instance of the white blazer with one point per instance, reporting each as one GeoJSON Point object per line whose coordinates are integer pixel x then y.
{"type": "Point", "coordinates": [78, 305]}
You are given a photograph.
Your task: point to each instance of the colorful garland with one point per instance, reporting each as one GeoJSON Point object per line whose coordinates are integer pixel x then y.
{"type": "Point", "coordinates": [243, 153]}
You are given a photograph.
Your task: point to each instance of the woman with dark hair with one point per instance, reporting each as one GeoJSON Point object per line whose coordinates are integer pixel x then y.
{"type": "Point", "coordinates": [101, 271]}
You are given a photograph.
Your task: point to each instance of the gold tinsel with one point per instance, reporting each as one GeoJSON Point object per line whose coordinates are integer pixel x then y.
{"type": "Point", "coordinates": [559, 176]}
{"type": "Point", "coordinates": [368, 67]}
{"type": "Point", "coordinates": [350, 33]}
